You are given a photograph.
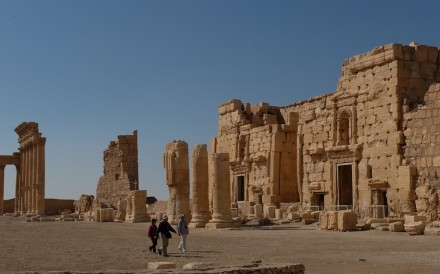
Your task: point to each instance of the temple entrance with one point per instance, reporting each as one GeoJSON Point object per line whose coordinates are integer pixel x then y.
{"type": "Point", "coordinates": [241, 188]}
{"type": "Point", "coordinates": [345, 184]}
{"type": "Point", "coordinates": [379, 204]}
{"type": "Point", "coordinates": [318, 200]}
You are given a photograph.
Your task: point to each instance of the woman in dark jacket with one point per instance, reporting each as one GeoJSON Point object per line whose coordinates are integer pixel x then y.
{"type": "Point", "coordinates": [152, 235]}
{"type": "Point", "coordinates": [164, 230]}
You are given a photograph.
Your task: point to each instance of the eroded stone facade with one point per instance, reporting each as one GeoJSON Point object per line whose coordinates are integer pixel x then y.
{"type": "Point", "coordinates": [120, 172]}
{"type": "Point", "coordinates": [368, 146]}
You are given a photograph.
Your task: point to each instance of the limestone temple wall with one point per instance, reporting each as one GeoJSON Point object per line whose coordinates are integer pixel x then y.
{"type": "Point", "coordinates": [120, 171]}
{"type": "Point", "coordinates": [343, 149]}
{"type": "Point", "coordinates": [262, 151]}
{"type": "Point", "coordinates": [422, 150]}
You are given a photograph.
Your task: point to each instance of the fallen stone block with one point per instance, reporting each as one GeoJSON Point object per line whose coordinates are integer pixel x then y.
{"type": "Point", "coordinates": [332, 220]}
{"type": "Point", "coordinates": [433, 229]}
{"type": "Point", "coordinates": [323, 221]}
{"type": "Point", "coordinates": [397, 227]}
{"type": "Point", "coordinates": [383, 228]}
{"type": "Point", "coordinates": [309, 221]}
{"type": "Point", "coordinates": [416, 228]}
{"type": "Point", "coordinates": [105, 215]}
{"type": "Point", "coordinates": [161, 265]}
{"type": "Point", "coordinates": [293, 217]}
{"type": "Point", "coordinates": [347, 220]}
{"type": "Point", "coordinates": [377, 225]}
{"type": "Point", "coordinates": [199, 266]}
{"type": "Point", "coordinates": [283, 222]}
{"type": "Point", "coordinates": [306, 215]}
{"type": "Point", "coordinates": [315, 214]}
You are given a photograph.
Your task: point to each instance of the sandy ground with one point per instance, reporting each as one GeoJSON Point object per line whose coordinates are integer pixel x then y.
{"type": "Point", "coordinates": [123, 247]}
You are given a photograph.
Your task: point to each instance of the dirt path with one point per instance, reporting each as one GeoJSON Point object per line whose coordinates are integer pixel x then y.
{"type": "Point", "coordinates": [91, 247]}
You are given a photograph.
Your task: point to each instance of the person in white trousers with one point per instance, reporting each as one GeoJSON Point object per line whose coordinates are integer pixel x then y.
{"type": "Point", "coordinates": [182, 231]}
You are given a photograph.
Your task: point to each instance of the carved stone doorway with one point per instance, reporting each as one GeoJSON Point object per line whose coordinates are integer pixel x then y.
{"type": "Point", "coordinates": [345, 184]}
{"type": "Point", "coordinates": [241, 187]}
{"type": "Point", "coordinates": [318, 200]}
{"type": "Point", "coordinates": [379, 203]}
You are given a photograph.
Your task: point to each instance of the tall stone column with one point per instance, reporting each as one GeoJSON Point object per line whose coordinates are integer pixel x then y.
{"type": "Point", "coordinates": [22, 181]}
{"type": "Point", "coordinates": [28, 181]}
{"type": "Point", "coordinates": [31, 172]}
{"type": "Point", "coordinates": [41, 207]}
{"type": "Point", "coordinates": [200, 184]}
{"type": "Point", "coordinates": [221, 193]}
{"type": "Point", "coordinates": [17, 190]}
{"type": "Point", "coordinates": [177, 175]}
{"type": "Point", "coordinates": [2, 187]}
{"type": "Point", "coordinates": [33, 150]}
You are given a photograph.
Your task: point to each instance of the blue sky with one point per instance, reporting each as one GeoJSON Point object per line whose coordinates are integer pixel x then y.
{"type": "Point", "coordinates": [88, 71]}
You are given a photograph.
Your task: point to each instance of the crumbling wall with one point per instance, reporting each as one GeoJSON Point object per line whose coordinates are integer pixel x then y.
{"type": "Point", "coordinates": [261, 147]}
{"type": "Point", "coordinates": [120, 171]}
{"type": "Point", "coordinates": [422, 150]}
{"type": "Point", "coordinates": [84, 204]}
{"type": "Point", "coordinates": [360, 125]}
{"type": "Point", "coordinates": [369, 96]}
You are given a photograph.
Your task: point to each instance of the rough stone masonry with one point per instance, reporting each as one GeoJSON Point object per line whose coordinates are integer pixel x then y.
{"type": "Point", "coordinates": [373, 145]}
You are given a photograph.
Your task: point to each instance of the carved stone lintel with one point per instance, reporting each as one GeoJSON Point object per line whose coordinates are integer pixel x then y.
{"type": "Point", "coordinates": [378, 184]}
{"type": "Point", "coordinates": [345, 151]}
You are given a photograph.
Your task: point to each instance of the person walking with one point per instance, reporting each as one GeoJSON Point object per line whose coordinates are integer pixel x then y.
{"type": "Point", "coordinates": [165, 230]}
{"type": "Point", "coordinates": [182, 231]}
{"type": "Point", "coordinates": [152, 235]}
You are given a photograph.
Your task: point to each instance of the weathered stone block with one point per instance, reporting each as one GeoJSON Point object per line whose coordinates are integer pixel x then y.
{"type": "Point", "coordinates": [433, 229]}
{"type": "Point", "coordinates": [332, 220]}
{"type": "Point", "coordinates": [323, 220]}
{"type": "Point", "coordinates": [309, 221]}
{"type": "Point", "coordinates": [416, 228]}
{"type": "Point", "coordinates": [397, 227]}
{"type": "Point", "coordinates": [105, 215]}
{"type": "Point", "coordinates": [347, 220]}
{"type": "Point", "coordinates": [269, 211]}
{"type": "Point", "coordinates": [292, 216]}
{"type": "Point", "coordinates": [414, 218]}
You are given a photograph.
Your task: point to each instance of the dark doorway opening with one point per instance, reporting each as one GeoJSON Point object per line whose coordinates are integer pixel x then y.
{"type": "Point", "coordinates": [345, 184]}
{"type": "Point", "coordinates": [318, 200]}
{"type": "Point", "coordinates": [240, 188]}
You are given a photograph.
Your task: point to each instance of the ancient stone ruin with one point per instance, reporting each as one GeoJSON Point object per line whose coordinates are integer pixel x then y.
{"type": "Point", "coordinates": [120, 171]}
{"type": "Point", "coordinates": [176, 165]}
{"type": "Point", "coordinates": [372, 146]}
{"type": "Point", "coordinates": [200, 187]}
{"type": "Point", "coordinates": [30, 166]}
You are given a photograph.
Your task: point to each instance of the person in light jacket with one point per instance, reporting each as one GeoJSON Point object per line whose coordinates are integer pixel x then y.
{"type": "Point", "coordinates": [182, 231]}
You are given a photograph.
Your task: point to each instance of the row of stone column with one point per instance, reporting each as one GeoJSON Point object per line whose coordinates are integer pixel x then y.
{"type": "Point", "coordinates": [177, 173]}
{"type": "Point", "coordinates": [30, 182]}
